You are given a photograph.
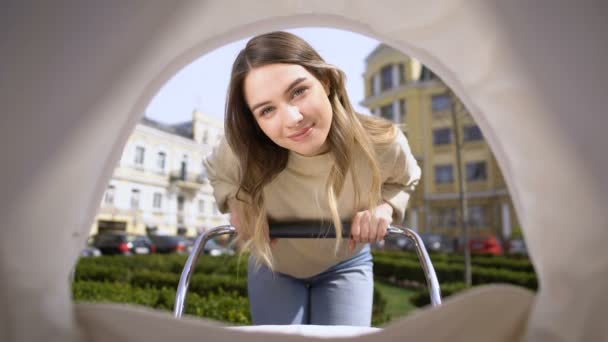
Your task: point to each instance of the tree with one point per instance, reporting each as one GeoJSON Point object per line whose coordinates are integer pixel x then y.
{"type": "Point", "coordinates": [464, 210]}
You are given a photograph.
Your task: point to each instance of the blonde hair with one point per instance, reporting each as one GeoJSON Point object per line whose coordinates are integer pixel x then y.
{"type": "Point", "coordinates": [260, 159]}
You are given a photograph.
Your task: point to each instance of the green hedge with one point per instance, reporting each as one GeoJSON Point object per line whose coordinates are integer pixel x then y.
{"type": "Point", "coordinates": [171, 263]}
{"type": "Point", "coordinates": [379, 315]}
{"type": "Point", "coordinates": [232, 266]}
{"type": "Point", "coordinates": [405, 269]}
{"type": "Point", "coordinates": [491, 275]}
{"type": "Point", "coordinates": [517, 264]}
{"type": "Point", "coordinates": [218, 288]}
{"type": "Point", "coordinates": [215, 291]}
{"type": "Point", "coordinates": [199, 283]}
{"type": "Point", "coordinates": [222, 306]}
{"type": "Point", "coordinates": [114, 293]}
{"type": "Point", "coordinates": [405, 266]}
{"type": "Point", "coordinates": [423, 298]}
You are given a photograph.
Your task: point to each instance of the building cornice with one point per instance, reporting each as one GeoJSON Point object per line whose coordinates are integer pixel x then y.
{"type": "Point", "coordinates": [398, 90]}
{"type": "Point", "coordinates": [468, 195]}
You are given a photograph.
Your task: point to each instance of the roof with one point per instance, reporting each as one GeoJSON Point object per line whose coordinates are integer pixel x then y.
{"type": "Point", "coordinates": [183, 129]}
{"type": "Point", "coordinates": [379, 49]}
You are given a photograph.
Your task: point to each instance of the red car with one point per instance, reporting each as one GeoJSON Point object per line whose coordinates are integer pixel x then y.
{"type": "Point", "coordinates": [486, 245]}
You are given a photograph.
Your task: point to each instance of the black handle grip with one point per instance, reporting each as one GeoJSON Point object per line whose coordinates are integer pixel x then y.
{"type": "Point", "coordinates": [306, 230]}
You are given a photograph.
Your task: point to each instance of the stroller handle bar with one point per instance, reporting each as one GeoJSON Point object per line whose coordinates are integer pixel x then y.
{"type": "Point", "coordinates": [303, 230]}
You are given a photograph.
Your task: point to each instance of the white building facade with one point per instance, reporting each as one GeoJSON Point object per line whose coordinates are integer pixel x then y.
{"type": "Point", "coordinates": [160, 184]}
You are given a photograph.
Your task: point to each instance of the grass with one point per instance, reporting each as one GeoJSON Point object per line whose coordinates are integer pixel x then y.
{"type": "Point", "coordinates": [398, 303]}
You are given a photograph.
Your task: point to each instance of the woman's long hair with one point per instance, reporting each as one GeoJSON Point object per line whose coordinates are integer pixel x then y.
{"type": "Point", "coordinates": [261, 159]}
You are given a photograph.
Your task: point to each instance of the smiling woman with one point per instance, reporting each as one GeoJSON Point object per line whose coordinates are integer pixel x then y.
{"type": "Point", "coordinates": [505, 59]}
{"type": "Point", "coordinates": [294, 93]}
{"type": "Point", "coordinates": [293, 134]}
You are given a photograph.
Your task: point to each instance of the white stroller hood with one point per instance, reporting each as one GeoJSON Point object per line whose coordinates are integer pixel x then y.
{"type": "Point", "coordinates": [76, 77]}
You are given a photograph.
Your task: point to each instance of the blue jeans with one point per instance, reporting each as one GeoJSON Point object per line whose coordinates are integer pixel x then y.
{"type": "Point", "coordinates": [342, 295]}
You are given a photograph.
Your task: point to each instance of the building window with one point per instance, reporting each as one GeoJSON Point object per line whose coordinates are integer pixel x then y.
{"type": "Point", "coordinates": [402, 109]}
{"type": "Point", "coordinates": [476, 171]}
{"type": "Point", "coordinates": [476, 218]}
{"type": "Point", "coordinates": [444, 174]}
{"type": "Point", "coordinates": [201, 206]}
{"type": "Point", "coordinates": [183, 171]}
{"type": "Point", "coordinates": [427, 74]}
{"type": "Point", "coordinates": [135, 198]}
{"type": "Point", "coordinates": [386, 74]}
{"type": "Point", "coordinates": [442, 136]}
{"type": "Point", "coordinates": [387, 112]}
{"type": "Point", "coordinates": [401, 74]}
{"type": "Point", "coordinates": [109, 197]}
{"type": "Point", "coordinates": [372, 89]}
{"type": "Point", "coordinates": [441, 103]}
{"type": "Point", "coordinates": [139, 155]}
{"type": "Point", "coordinates": [157, 201]}
{"type": "Point", "coordinates": [161, 160]}
{"type": "Point", "coordinates": [446, 217]}
{"type": "Point", "coordinates": [180, 203]}
{"type": "Point", "coordinates": [472, 133]}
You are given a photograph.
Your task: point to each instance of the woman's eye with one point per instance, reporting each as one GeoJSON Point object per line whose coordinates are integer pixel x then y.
{"type": "Point", "coordinates": [266, 110]}
{"type": "Point", "coordinates": [299, 91]}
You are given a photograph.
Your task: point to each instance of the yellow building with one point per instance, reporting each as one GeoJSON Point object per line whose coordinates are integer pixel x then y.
{"type": "Point", "coordinates": [159, 184]}
{"type": "Point", "coordinates": [400, 89]}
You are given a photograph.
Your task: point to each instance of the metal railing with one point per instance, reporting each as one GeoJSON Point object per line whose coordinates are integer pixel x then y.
{"type": "Point", "coordinates": [294, 230]}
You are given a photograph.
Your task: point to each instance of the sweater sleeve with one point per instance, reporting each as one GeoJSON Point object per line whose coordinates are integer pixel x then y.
{"type": "Point", "coordinates": [402, 178]}
{"type": "Point", "coordinates": [224, 174]}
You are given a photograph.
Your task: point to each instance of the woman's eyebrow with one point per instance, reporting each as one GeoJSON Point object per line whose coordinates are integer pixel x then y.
{"type": "Point", "coordinates": [291, 86]}
{"type": "Point", "coordinates": [295, 83]}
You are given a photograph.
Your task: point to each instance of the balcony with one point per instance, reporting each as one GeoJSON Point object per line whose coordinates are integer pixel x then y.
{"type": "Point", "coordinates": [186, 181]}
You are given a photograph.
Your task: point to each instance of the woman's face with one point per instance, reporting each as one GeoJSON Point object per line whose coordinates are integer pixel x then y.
{"type": "Point", "coordinates": [291, 107]}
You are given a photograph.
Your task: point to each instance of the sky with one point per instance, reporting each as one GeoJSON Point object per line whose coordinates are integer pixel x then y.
{"type": "Point", "coordinates": [203, 83]}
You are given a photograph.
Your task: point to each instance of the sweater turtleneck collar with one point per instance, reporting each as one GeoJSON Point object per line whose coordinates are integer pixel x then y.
{"type": "Point", "coordinates": [319, 164]}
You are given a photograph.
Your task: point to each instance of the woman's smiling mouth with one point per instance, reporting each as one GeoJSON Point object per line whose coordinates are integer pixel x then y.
{"type": "Point", "coordinates": [302, 134]}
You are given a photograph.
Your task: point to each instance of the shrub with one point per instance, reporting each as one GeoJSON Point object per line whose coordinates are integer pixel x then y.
{"type": "Point", "coordinates": [223, 306]}
{"type": "Point", "coordinates": [215, 292]}
{"type": "Point", "coordinates": [422, 298]}
{"type": "Point", "coordinates": [399, 266]}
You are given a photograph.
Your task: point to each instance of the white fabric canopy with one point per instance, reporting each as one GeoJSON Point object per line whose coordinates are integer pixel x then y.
{"type": "Point", "coordinates": [76, 77]}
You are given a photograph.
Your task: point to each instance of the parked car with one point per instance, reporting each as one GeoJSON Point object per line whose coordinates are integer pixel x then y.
{"type": "Point", "coordinates": [190, 240]}
{"type": "Point", "coordinates": [435, 242]}
{"type": "Point", "coordinates": [122, 243]}
{"type": "Point", "coordinates": [90, 251]}
{"type": "Point", "coordinates": [517, 247]}
{"type": "Point", "coordinates": [486, 245]}
{"type": "Point", "coordinates": [395, 242]}
{"type": "Point", "coordinates": [213, 248]}
{"type": "Point", "coordinates": [169, 243]}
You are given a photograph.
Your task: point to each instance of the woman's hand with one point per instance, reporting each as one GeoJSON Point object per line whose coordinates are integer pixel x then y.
{"type": "Point", "coordinates": [235, 220]}
{"type": "Point", "coordinates": [370, 227]}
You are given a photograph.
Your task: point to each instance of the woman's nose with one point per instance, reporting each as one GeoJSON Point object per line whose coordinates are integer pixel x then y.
{"type": "Point", "coordinates": [293, 116]}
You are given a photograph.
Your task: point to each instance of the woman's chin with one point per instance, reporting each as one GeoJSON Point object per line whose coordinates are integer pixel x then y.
{"type": "Point", "coordinates": [309, 152]}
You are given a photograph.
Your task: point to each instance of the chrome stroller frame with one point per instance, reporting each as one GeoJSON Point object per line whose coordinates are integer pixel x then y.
{"type": "Point", "coordinates": [303, 230]}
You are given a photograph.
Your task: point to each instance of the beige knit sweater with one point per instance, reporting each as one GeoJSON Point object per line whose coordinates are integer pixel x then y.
{"type": "Point", "coordinates": [298, 193]}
